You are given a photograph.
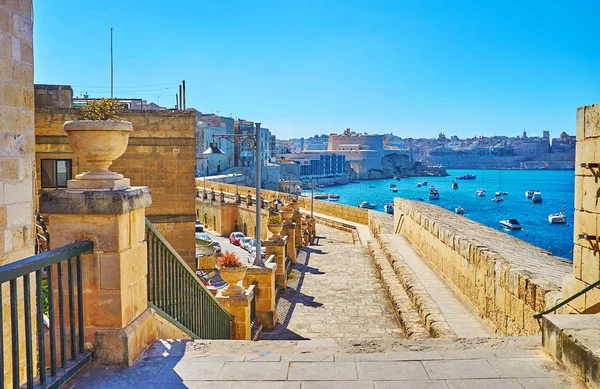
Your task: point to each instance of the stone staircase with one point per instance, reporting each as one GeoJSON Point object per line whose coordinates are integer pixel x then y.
{"type": "Point", "coordinates": [324, 363]}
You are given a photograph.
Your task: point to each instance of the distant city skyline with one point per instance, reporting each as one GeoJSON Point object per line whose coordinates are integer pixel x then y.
{"type": "Point", "coordinates": [410, 68]}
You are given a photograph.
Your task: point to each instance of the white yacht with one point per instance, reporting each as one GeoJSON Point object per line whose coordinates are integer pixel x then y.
{"type": "Point", "coordinates": [557, 218]}
{"type": "Point", "coordinates": [433, 193]}
{"type": "Point", "coordinates": [511, 224]}
{"type": "Point", "coordinates": [497, 199]}
{"type": "Point", "coordinates": [480, 192]}
{"type": "Point", "coordinates": [459, 210]}
{"type": "Point", "coordinates": [529, 193]}
{"type": "Point", "coordinates": [537, 197]}
{"type": "Point", "coordinates": [367, 205]}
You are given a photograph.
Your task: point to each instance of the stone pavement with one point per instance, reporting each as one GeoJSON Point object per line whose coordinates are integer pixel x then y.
{"type": "Point", "coordinates": [334, 292]}
{"type": "Point", "coordinates": [459, 315]}
{"type": "Point", "coordinates": [310, 365]}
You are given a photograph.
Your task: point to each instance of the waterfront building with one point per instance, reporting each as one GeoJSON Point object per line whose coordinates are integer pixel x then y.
{"type": "Point", "coordinates": [317, 164]}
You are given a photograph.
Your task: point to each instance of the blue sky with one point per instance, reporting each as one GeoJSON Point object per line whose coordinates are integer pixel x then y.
{"type": "Point", "coordinates": [412, 68]}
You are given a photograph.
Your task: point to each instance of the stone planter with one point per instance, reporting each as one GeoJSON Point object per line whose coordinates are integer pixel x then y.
{"type": "Point", "coordinates": [99, 143]}
{"type": "Point", "coordinates": [304, 226]}
{"type": "Point", "coordinates": [286, 215]}
{"type": "Point", "coordinates": [296, 206]}
{"type": "Point", "coordinates": [275, 229]}
{"type": "Point", "coordinates": [233, 275]}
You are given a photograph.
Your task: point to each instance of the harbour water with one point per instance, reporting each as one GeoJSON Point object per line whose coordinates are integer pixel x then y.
{"type": "Point", "coordinates": [556, 186]}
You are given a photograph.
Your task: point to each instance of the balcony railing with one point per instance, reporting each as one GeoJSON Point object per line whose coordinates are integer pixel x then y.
{"type": "Point", "coordinates": [38, 274]}
{"type": "Point", "coordinates": [175, 290]}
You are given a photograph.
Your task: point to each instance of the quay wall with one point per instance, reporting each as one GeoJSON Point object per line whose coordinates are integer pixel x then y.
{"type": "Point", "coordinates": [505, 279]}
{"type": "Point", "coordinates": [346, 212]}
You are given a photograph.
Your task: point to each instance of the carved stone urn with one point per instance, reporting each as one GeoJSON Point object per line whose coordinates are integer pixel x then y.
{"type": "Point", "coordinates": [98, 143]}
{"type": "Point", "coordinates": [233, 275]}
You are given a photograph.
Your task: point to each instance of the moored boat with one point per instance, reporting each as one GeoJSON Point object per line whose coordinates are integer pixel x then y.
{"type": "Point", "coordinates": [459, 210]}
{"type": "Point", "coordinates": [454, 185]}
{"type": "Point", "coordinates": [419, 185]}
{"type": "Point", "coordinates": [480, 192]}
{"type": "Point", "coordinates": [396, 178]}
{"type": "Point", "coordinates": [497, 199]}
{"type": "Point", "coordinates": [557, 218]}
{"type": "Point", "coordinates": [320, 196]}
{"type": "Point", "coordinates": [424, 183]}
{"type": "Point", "coordinates": [389, 208]}
{"type": "Point", "coordinates": [395, 190]}
{"type": "Point", "coordinates": [466, 177]}
{"type": "Point", "coordinates": [433, 193]}
{"type": "Point", "coordinates": [511, 224]}
{"type": "Point", "coordinates": [537, 197]}
{"type": "Point", "coordinates": [392, 185]}
{"type": "Point", "coordinates": [334, 196]}
{"type": "Point", "coordinates": [529, 193]}
{"type": "Point", "coordinates": [367, 205]}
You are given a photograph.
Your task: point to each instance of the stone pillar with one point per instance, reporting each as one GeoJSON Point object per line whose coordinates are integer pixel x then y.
{"type": "Point", "coordinates": [289, 229]}
{"type": "Point", "coordinates": [586, 251]}
{"type": "Point", "coordinates": [239, 308]}
{"type": "Point", "coordinates": [297, 219]}
{"type": "Point", "coordinates": [277, 248]}
{"type": "Point", "coordinates": [116, 316]}
{"type": "Point", "coordinates": [264, 293]}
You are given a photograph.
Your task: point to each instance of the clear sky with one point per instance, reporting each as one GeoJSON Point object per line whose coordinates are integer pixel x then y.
{"type": "Point", "coordinates": [412, 68]}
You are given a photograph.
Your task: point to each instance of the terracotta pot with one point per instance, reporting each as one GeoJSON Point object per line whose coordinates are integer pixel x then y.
{"type": "Point", "coordinates": [99, 143]}
{"type": "Point", "coordinates": [275, 229]}
{"type": "Point", "coordinates": [233, 275]}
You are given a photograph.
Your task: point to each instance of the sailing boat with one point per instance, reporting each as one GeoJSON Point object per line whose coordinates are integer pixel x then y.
{"type": "Point", "coordinates": [498, 196]}
{"type": "Point", "coordinates": [481, 192]}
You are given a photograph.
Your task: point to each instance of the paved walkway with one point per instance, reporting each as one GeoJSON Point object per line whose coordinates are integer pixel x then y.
{"type": "Point", "coordinates": [334, 293]}
{"type": "Point", "coordinates": [364, 233]}
{"type": "Point", "coordinates": [305, 365]}
{"type": "Point", "coordinates": [461, 318]}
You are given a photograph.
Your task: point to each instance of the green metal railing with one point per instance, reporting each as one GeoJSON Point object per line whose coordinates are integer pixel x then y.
{"type": "Point", "coordinates": [567, 300]}
{"type": "Point", "coordinates": [176, 290]}
{"type": "Point", "coordinates": [49, 277]}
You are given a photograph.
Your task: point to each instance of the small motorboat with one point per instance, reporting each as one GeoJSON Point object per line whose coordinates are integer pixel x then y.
{"type": "Point", "coordinates": [393, 186]}
{"type": "Point", "coordinates": [389, 208]}
{"type": "Point", "coordinates": [459, 210]}
{"type": "Point", "coordinates": [424, 183]}
{"type": "Point", "coordinates": [481, 192]}
{"type": "Point", "coordinates": [395, 190]}
{"type": "Point", "coordinates": [498, 193]}
{"type": "Point", "coordinates": [454, 185]}
{"type": "Point", "coordinates": [419, 185]}
{"type": "Point", "coordinates": [367, 205]}
{"type": "Point", "coordinates": [537, 197]}
{"type": "Point", "coordinates": [433, 193]}
{"type": "Point", "coordinates": [421, 199]}
{"type": "Point", "coordinates": [511, 224]}
{"type": "Point", "coordinates": [557, 218]}
{"type": "Point", "coordinates": [466, 177]}
{"type": "Point", "coordinates": [497, 199]}
{"type": "Point", "coordinates": [529, 194]}
{"type": "Point", "coordinates": [396, 178]}
{"type": "Point", "coordinates": [320, 196]}
{"type": "Point", "coordinates": [505, 193]}
{"type": "Point", "coordinates": [334, 196]}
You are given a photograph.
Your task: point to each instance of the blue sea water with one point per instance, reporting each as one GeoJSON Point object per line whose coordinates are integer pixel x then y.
{"type": "Point", "coordinates": [557, 188]}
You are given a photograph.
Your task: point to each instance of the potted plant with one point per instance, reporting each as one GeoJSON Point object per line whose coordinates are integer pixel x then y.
{"type": "Point", "coordinates": [275, 225]}
{"type": "Point", "coordinates": [232, 271]}
{"type": "Point", "coordinates": [294, 203]}
{"type": "Point", "coordinates": [99, 136]}
{"type": "Point", "coordinates": [287, 212]}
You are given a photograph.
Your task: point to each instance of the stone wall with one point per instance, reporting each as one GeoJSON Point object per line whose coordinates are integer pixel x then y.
{"type": "Point", "coordinates": [16, 157]}
{"type": "Point", "coordinates": [57, 96]}
{"type": "Point", "coordinates": [505, 279]}
{"type": "Point", "coordinates": [161, 155]}
{"type": "Point", "coordinates": [229, 217]}
{"type": "Point", "coordinates": [346, 212]}
{"type": "Point", "coordinates": [586, 256]}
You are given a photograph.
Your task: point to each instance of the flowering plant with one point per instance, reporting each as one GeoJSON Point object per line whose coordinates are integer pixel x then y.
{"type": "Point", "coordinates": [229, 259]}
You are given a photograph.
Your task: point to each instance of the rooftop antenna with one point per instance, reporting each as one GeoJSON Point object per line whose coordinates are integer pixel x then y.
{"type": "Point", "coordinates": [111, 63]}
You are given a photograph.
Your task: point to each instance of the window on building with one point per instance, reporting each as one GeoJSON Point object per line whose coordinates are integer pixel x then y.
{"type": "Point", "coordinates": [55, 173]}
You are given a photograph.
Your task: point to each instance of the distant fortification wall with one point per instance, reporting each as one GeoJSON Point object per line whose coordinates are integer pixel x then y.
{"type": "Point", "coordinates": [506, 279]}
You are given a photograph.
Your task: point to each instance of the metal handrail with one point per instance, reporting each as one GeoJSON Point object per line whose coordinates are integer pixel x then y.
{"type": "Point", "coordinates": [175, 289]}
{"type": "Point", "coordinates": [567, 300]}
{"type": "Point", "coordinates": [270, 259]}
{"type": "Point", "coordinates": [52, 281]}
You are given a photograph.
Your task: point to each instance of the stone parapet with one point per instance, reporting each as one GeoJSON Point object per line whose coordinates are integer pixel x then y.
{"type": "Point", "coordinates": [290, 244]}
{"type": "Point", "coordinates": [507, 280]}
{"type": "Point", "coordinates": [239, 308]}
{"type": "Point", "coordinates": [277, 248]}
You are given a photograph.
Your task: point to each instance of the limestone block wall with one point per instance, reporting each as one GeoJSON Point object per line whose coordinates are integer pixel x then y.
{"type": "Point", "coordinates": [586, 255]}
{"type": "Point", "coordinates": [505, 279]}
{"type": "Point", "coordinates": [160, 154]}
{"type": "Point", "coordinates": [16, 157]}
